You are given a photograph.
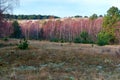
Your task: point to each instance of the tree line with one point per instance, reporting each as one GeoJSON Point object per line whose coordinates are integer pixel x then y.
{"type": "Point", "coordinates": [28, 17]}
{"type": "Point", "coordinates": [100, 30]}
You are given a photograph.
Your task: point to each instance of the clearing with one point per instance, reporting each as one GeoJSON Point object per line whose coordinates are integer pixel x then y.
{"type": "Point", "coordinates": [59, 61]}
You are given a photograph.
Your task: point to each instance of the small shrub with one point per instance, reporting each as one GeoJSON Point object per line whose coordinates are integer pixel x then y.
{"type": "Point", "coordinates": [54, 40]}
{"type": "Point", "coordinates": [5, 39]}
{"type": "Point", "coordinates": [62, 41]}
{"type": "Point", "coordinates": [83, 38]}
{"type": "Point", "coordinates": [104, 38]}
{"type": "Point", "coordinates": [77, 40]}
{"type": "Point", "coordinates": [23, 44]}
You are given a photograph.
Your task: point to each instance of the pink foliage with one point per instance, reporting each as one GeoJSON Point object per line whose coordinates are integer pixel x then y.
{"type": "Point", "coordinates": [30, 29]}
{"type": "Point", "coordinates": [67, 29]}
{"type": "Point", "coordinates": [70, 28]}
{"type": "Point", "coordinates": [6, 29]}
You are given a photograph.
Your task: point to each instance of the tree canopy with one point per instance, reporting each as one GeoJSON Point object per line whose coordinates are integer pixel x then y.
{"type": "Point", "coordinates": [111, 18]}
{"type": "Point", "coordinates": [94, 16]}
{"type": "Point", "coordinates": [6, 6]}
{"type": "Point", "coordinates": [110, 22]}
{"type": "Point", "coordinates": [17, 33]}
{"type": "Point", "coordinates": [27, 17]}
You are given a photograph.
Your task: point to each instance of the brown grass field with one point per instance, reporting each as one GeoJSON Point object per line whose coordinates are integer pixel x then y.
{"type": "Point", "coordinates": [45, 60]}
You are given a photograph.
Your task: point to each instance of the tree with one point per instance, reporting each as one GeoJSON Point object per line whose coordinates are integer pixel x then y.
{"type": "Point", "coordinates": [92, 25]}
{"type": "Point", "coordinates": [110, 21]}
{"type": "Point", "coordinates": [100, 15]}
{"type": "Point", "coordinates": [103, 38]}
{"type": "Point", "coordinates": [77, 16]}
{"type": "Point", "coordinates": [17, 33]}
{"type": "Point", "coordinates": [94, 16]}
{"type": "Point", "coordinates": [113, 16]}
{"type": "Point", "coordinates": [85, 16]}
{"type": "Point", "coordinates": [5, 6]}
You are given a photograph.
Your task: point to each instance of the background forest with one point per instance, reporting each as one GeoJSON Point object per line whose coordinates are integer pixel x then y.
{"type": "Point", "coordinates": [93, 29]}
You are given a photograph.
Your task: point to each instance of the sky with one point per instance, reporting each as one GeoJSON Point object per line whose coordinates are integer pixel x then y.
{"type": "Point", "coordinates": [65, 8]}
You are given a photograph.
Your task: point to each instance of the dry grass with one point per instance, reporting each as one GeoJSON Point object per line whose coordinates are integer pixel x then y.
{"type": "Point", "coordinates": [59, 61]}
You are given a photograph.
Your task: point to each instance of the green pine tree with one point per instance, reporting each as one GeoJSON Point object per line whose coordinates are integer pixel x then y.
{"type": "Point", "coordinates": [17, 33]}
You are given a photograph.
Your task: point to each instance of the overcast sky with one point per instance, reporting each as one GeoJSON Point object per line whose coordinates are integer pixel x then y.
{"type": "Point", "coordinates": [65, 8]}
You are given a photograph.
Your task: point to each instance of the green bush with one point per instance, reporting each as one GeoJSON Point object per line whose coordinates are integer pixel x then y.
{"type": "Point", "coordinates": [83, 38]}
{"type": "Point", "coordinates": [62, 40]}
{"type": "Point", "coordinates": [54, 40]}
{"type": "Point", "coordinates": [104, 38]}
{"type": "Point", "coordinates": [23, 44]}
{"type": "Point", "coordinates": [77, 40]}
{"type": "Point", "coordinates": [5, 39]}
